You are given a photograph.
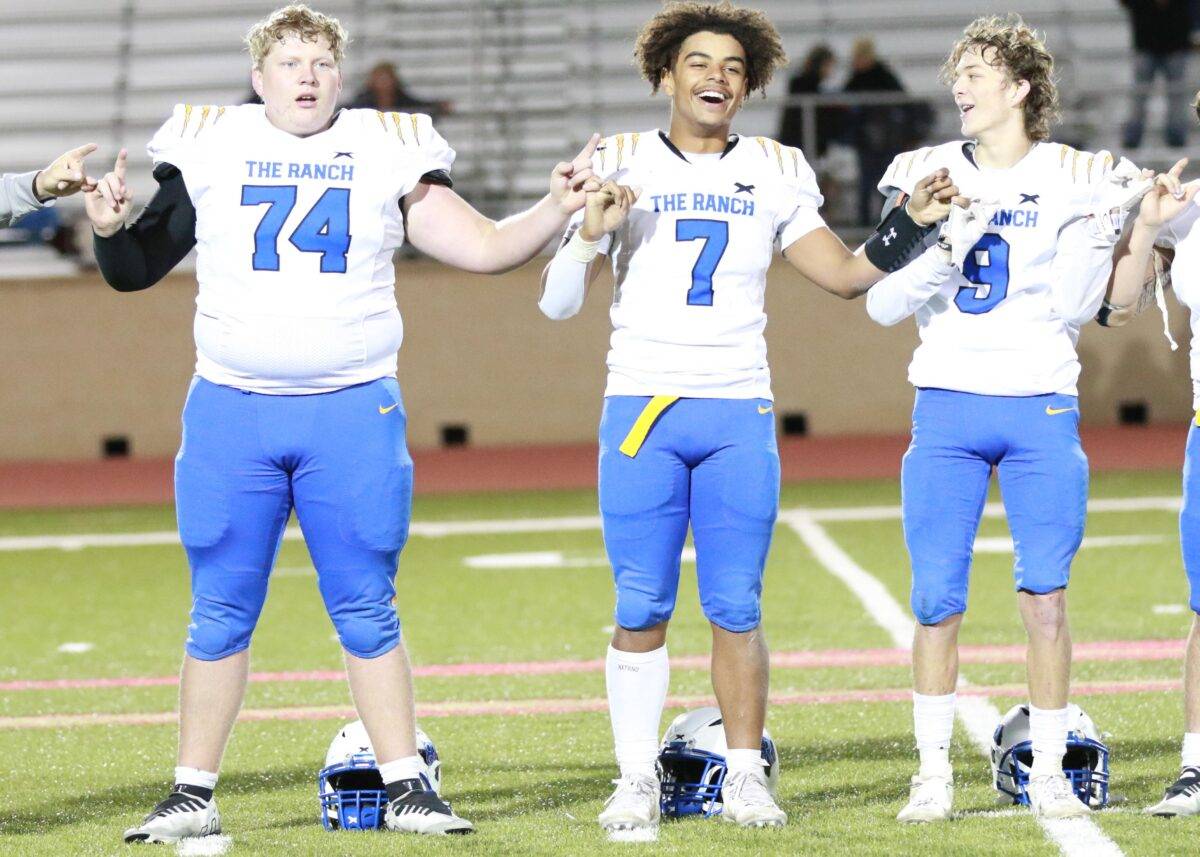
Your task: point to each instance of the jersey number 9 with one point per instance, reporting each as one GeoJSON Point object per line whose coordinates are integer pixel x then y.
{"type": "Point", "coordinates": [986, 265]}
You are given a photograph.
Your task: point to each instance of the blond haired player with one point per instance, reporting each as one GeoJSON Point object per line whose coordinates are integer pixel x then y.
{"type": "Point", "coordinates": [999, 315]}
{"type": "Point", "coordinates": [295, 209]}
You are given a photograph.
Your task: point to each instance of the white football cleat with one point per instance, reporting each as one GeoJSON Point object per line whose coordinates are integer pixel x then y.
{"type": "Point", "coordinates": [929, 799]}
{"type": "Point", "coordinates": [419, 810]}
{"type": "Point", "coordinates": [1182, 798]}
{"type": "Point", "coordinates": [180, 816]}
{"type": "Point", "coordinates": [633, 805]}
{"type": "Point", "coordinates": [748, 803]}
{"type": "Point", "coordinates": [1051, 796]}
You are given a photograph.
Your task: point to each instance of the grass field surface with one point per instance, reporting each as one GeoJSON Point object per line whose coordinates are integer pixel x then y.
{"type": "Point", "coordinates": [507, 608]}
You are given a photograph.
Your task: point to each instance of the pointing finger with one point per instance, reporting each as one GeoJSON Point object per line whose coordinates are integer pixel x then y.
{"type": "Point", "coordinates": [590, 149]}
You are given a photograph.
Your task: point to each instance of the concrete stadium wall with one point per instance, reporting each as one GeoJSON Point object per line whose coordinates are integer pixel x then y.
{"type": "Point", "coordinates": [82, 362]}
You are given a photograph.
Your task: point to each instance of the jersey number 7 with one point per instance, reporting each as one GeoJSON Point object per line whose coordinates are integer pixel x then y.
{"type": "Point", "coordinates": [715, 234]}
{"type": "Point", "coordinates": [325, 229]}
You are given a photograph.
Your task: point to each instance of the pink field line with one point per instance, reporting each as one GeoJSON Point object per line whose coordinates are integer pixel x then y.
{"type": "Point", "coordinates": [527, 707]}
{"type": "Point", "coordinates": [1118, 650]}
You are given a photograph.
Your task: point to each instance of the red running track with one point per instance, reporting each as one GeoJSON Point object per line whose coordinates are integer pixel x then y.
{"type": "Point", "coordinates": [133, 482]}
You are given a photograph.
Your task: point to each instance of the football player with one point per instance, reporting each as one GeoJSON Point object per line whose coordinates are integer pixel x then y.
{"type": "Point", "coordinates": [295, 210]}
{"type": "Point", "coordinates": [688, 220]}
{"type": "Point", "coordinates": [1163, 246]}
{"type": "Point", "coordinates": [21, 193]}
{"type": "Point", "coordinates": [998, 314]}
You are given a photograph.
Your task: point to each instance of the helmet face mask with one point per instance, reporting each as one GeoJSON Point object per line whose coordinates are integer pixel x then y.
{"type": "Point", "coordinates": [350, 787]}
{"type": "Point", "coordinates": [1085, 763]}
{"type": "Point", "coordinates": [691, 764]}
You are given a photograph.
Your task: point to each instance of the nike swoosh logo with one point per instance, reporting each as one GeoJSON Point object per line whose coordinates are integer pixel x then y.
{"type": "Point", "coordinates": [1053, 412]}
{"type": "Point", "coordinates": [766, 410]}
{"type": "Point", "coordinates": [391, 408]}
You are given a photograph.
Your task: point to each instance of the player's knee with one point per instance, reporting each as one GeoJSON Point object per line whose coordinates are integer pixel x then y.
{"type": "Point", "coordinates": [931, 607]}
{"type": "Point", "coordinates": [368, 631]}
{"type": "Point", "coordinates": [1044, 613]}
{"type": "Point", "coordinates": [225, 610]}
{"type": "Point", "coordinates": [638, 611]}
{"type": "Point", "coordinates": [735, 612]}
{"type": "Point", "coordinates": [217, 631]}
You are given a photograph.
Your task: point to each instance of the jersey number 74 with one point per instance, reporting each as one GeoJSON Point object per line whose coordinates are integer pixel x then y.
{"type": "Point", "coordinates": [325, 229]}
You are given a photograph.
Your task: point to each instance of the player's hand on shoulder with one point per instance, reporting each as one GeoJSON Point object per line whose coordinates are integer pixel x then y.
{"type": "Point", "coordinates": [932, 197]}
{"type": "Point", "coordinates": [65, 175]}
{"type": "Point", "coordinates": [608, 205]}
{"type": "Point", "coordinates": [109, 201]}
{"type": "Point", "coordinates": [1168, 197]}
{"type": "Point", "coordinates": [568, 178]}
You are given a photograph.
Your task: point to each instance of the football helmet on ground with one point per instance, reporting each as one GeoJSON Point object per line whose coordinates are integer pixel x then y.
{"type": "Point", "coordinates": [691, 763]}
{"type": "Point", "coordinates": [350, 787]}
{"type": "Point", "coordinates": [1085, 763]}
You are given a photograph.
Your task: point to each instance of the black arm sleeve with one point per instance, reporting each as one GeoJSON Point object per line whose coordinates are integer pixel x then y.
{"type": "Point", "coordinates": [140, 255]}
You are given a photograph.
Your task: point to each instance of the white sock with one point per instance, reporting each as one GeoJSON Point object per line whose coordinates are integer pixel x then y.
{"type": "Point", "coordinates": [1048, 734]}
{"type": "Point", "coordinates": [637, 690]}
{"type": "Point", "coordinates": [933, 725]}
{"type": "Point", "coordinates": [404, 768]}
{"type": "Point", "coordinates": [1191, 749]}
{"type": "Point", "coordinates": [195, 777]}
{"type": "Point", "coordinates": [745, 762]}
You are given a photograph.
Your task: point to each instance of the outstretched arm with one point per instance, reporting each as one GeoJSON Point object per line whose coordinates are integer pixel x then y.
{"type": "Point", "coordinates": [21, 193]}
{"type": "Point", "coordinates": [1133, 272]}
{"type": "Point", "coordinates": [822, 257]}
{"type": "Point", "coordinates": [442, 224]}
{"type": "Point", "coordinates": [137, 256]}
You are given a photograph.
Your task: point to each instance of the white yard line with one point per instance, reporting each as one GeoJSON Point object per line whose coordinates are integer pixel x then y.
{"type": "Point", "coordinates": [1079, 837]}
{"type": "Point", "coordinates": [574, 523]}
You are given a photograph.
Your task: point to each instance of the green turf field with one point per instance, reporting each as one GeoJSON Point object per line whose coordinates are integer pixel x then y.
{"type": "Point", "coordinates": [532, 777]}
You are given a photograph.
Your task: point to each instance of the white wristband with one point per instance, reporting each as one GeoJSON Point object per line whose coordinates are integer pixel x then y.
{"type": "Point", "coordinates": [580, 250]}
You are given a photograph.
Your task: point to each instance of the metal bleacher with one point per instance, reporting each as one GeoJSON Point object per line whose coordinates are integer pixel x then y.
{"type": "Point", "coordinates": [529, 79]}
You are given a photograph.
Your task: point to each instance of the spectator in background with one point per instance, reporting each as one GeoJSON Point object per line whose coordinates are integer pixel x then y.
{"type": "Point", "coordinates": [812, 79]}
{"type": "Point", "coordinates": [1161, 39]}
{"type": "Point", "coordinates": [385, 91]}
{"type": "Point", "coordinates": [876, 131]}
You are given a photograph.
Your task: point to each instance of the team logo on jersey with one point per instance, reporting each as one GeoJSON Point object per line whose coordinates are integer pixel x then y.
{"type": "Point", "coordinates": [343, 155]}
{"type": "Point", "coordinates": [1031, 198]}
{"type": "Point", "coordinates": [744, 188]}
{"type": "Point", "coordinates": [1014, 217]}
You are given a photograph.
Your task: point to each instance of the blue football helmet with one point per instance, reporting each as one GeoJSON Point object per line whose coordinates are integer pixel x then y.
{"type": "Point", "coordinates": [1085, 762]}
{"type": "Point", "coordinates": [350, 787]}
{"type": "Point", "coordinates": [691, 763]}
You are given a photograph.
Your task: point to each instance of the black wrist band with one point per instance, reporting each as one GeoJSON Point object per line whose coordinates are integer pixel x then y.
{"type": "Point", "coordinates": [895, 240]}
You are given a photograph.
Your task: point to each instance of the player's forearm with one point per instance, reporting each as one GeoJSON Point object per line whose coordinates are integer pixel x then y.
{"type": "Point", "coordinates": [900, 294]}
{"type": "Point", "coordinates": [566, 278]}
{"type": "Point", "coordinates": [138, 256]}
{"type": "Point", "coordinates": [513, 241]}
{"type": "Point", "coordinates": [1131, 263]}
{"type": "Point", "coordinates": [17, 197]}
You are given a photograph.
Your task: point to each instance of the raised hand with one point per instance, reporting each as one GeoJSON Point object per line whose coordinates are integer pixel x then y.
{"type": "Point", "coordinates": [1168, 197]}
{"type": "Point", "coordinates": [568, 178]}
{"type": "Point", "coordinates": [65, 175]}
{"type": "Point", "coordinates": [607, 207]}
{"type": "Point", "coordinates": [108, 201]}
{"type": "Point", "coordinates": [932, 198]}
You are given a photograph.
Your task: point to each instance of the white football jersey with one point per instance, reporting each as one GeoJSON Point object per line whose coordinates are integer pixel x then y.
{"type": "Point", "coordinates": [1183, 235]}
{"type": "Point", "coordinates": [1000, 334]}
{"type": "Point", "coordinates": [294, 241]}
{"type": "Point", "coordinates": [690, 262]}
